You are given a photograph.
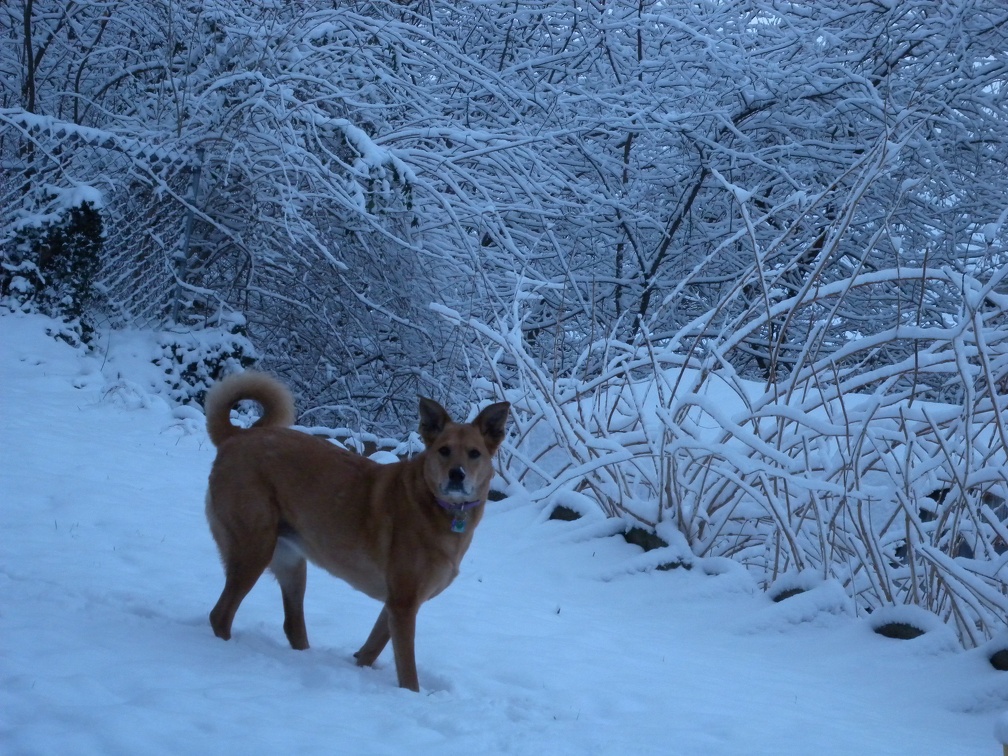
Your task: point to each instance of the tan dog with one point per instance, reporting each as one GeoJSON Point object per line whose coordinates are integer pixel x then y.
{"type": "Point", "coordinates": [396, 532]}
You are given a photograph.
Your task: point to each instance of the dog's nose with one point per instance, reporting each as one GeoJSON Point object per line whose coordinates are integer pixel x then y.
{"type": "Point", "coordinates": [456, 475]}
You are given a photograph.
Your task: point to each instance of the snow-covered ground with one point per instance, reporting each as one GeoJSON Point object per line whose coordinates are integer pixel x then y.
{"type": "Point", "coordinates": [554, 639]}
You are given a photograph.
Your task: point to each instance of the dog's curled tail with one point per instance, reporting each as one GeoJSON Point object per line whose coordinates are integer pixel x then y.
{"type": "Point", "coordinates": [276, 401]}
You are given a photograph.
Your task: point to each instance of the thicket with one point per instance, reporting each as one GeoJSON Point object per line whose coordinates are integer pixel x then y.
{"type": "Point", "coordinates": [740, 265]}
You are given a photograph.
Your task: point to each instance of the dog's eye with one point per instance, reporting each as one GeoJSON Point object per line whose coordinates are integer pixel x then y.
{"type": "Point", "coordinates": [444, 451]}
{"type": "Point", "coordinates": [474, 454]}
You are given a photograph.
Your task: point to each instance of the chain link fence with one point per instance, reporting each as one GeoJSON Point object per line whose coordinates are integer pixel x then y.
{"type": "Point", "coordinates": [144, 194]}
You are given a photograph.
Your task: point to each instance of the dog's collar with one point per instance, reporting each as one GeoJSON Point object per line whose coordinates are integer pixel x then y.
{"type": "Point", "coordinates": [458, 511]}
{"type": "Point", "coordinates": [461, 507]}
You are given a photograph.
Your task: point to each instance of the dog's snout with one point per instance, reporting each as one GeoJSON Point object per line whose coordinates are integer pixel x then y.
{"type": "Point", "coordinates": [456, 475]}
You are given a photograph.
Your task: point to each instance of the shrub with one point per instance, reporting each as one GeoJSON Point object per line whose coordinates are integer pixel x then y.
{"type": "Point", "coordinates": [194, 361]}
{"type": "Point", "coordinates": [52, 262]}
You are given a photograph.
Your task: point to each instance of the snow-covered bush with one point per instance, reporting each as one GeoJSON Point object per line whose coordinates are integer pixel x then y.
{"type": "Point", "coordinates": [839, 472]}
{"type": "Point", "coordinates": [193, 361]}
{"type": "Point", "coordinates": [52, 259]}
{"type": "Point", "coordinates": [357, 163]}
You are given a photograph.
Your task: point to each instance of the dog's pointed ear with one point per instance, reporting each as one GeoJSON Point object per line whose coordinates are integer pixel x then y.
{"type": "Point", "coordinates": [433, 419]}
{"type": "Point", "coordinates": [491, 423]}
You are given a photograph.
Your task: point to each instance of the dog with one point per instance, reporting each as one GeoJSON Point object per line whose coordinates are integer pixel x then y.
{"type": "Point", "coordinates": [397, 532]}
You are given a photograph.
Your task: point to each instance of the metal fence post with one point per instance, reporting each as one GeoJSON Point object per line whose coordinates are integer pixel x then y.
{"type": "Point", "coordinates": [182, 257]}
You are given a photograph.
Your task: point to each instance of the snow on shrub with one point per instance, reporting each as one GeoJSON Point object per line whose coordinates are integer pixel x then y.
{"type": "Point", "coordinates": [905, 622]}
{"type": "Point", "coordinates": [834, 469]}
{"type": "Point", "coordinates": [193, 361]}
{"type": "Point", "coordinates": [51, 262]}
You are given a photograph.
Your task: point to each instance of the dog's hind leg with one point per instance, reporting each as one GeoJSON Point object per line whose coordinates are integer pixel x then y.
{"type": "Point", "coordinates": [375, 642]}
{"type": "Point", "coordinates": [240, 576]}
{"type": "Point", "coordinates": [291, 572]}
{"type": "Point", "coordinates": [246, 552]}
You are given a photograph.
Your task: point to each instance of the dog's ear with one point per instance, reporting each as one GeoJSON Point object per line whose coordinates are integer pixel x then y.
{"type": "Point", "coordinates": [433, 419]}
{"type": "Point", "coordinates": [491, 423]}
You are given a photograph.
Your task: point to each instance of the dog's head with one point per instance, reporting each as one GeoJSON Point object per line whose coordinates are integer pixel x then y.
{"type": "Point", "coordinates": [459, 460]}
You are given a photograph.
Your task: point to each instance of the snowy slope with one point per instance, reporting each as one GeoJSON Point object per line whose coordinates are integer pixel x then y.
{"type": "Point", "coordinates": [554, 639]}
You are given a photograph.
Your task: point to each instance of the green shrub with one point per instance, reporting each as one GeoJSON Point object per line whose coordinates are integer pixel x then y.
{"type": "Point", "coordinates": [51, 267]}
{"type": "Point", "coordinates": [192, 362]}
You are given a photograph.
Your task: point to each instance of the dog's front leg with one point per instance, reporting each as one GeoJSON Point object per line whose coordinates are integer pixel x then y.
{"type": "Point", "coordinates": [402, 626]}
{"type": "Point", "coordinates": [375, 642]}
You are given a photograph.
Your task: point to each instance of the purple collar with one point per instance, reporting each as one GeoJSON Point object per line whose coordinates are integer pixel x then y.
{"type": "Point", "coordinates": [464, 506]}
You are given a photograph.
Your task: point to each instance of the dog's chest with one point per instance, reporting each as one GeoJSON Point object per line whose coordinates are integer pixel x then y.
{"type": "Point", "coordinates": [441, 579]}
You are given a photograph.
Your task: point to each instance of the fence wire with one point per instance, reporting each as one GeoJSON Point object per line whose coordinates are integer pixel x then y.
{"type": "Point", "coordinates": [143, 188]}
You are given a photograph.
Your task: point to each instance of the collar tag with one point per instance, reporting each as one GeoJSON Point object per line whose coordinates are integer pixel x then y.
{"type": "Point", "coordinates": [458, 512]}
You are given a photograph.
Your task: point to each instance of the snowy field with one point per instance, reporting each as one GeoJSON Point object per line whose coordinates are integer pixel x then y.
{"type": "Point", "coordinates": [555, 639]}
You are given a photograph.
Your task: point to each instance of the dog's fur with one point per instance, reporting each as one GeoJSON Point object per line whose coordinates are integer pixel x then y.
{"type": "Point", "coordinates": [278, 496]}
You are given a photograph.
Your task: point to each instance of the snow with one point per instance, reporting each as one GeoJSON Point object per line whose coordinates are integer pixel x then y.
{"type": "Point", "coordinates": [558, 637]}
{"type": "Point", "coordinates": [75, 196]}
